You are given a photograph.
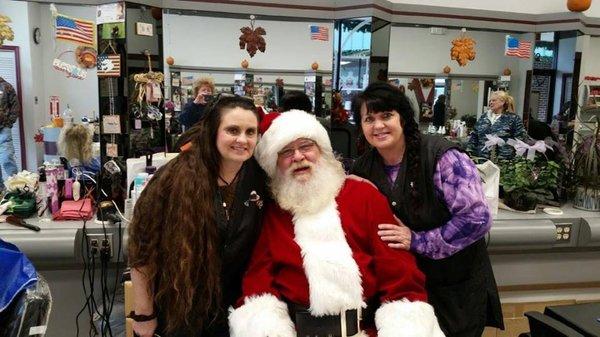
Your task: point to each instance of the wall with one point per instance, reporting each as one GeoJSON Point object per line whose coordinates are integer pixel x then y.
{"type": "Point", "coordinates": [464, 97]}
{"type": "Point", "coordinates": [80, 95]}
{"type": "Point", "coordinates": [516, 6]}
{"type": "Point", "coordinates": [414, 50]}
{"type": "Point", "coordinates": [213, 42]}
{"type": "Point", "coordinates": [22, 14]}
{"type": "Point", "coordinates": [39, 80]}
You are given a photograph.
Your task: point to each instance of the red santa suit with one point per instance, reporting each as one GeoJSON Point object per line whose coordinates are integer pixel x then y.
{"type": "Point", "coordinates": [330, 261]}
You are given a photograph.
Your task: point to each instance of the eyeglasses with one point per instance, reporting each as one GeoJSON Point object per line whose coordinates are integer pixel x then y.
{"type": "Point", "coordinates": [304, 148]}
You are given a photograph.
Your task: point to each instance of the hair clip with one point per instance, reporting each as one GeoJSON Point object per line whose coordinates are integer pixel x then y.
{"type": "Point", "coordinates": [255, 199]}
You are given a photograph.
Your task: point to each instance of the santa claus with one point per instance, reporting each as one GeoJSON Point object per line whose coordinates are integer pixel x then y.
{"type": "Point", "coordinates": [319, 268]}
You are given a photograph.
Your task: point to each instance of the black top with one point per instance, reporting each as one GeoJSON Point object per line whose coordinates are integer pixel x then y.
{"type": "Point", "coordinates": [461, 288]}
{"type": "Point", "coordinates": [439, 113]}
{"type": "Point", "coordinates": [191, 114]}
{"type": "Point", "coordinates": [237, 239]}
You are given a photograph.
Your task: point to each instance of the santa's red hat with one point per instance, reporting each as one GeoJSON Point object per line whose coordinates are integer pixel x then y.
{"type": "Point", "coordinates": [284, 129]}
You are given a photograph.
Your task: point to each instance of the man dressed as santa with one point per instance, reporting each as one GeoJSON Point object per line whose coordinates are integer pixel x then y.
{"type": "Point", "coordinates": [319, 268]}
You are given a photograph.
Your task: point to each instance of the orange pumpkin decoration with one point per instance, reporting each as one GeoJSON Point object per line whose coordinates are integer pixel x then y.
{"type": "Point", "coordinates": [170, 60]}
{"type": "Point", "coordinates": [447, 70]}
{"type": "Point", "coordinates": [578, 5]}
{"type": "Point", "coordinates": [245, 64]}
{"type": "Point", "coordinates": [314, 66]}
{"type": "Point", "coordinates": [506, 72]}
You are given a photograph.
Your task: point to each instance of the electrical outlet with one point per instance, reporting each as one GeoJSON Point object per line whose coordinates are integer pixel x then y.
{"type": "Point", "coordinates": [563, 232]}
{"type": "Point", "coordinates": [99, 243]}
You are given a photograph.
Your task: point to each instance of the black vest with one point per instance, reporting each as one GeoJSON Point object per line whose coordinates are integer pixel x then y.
{"type": "Point", "coordinates": [461, 287]}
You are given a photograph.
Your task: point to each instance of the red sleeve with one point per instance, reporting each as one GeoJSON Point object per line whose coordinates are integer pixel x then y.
{"type": "Point", "coordinates": [258, 278]}
{"type": "Point", "coordinates": [396, 270]}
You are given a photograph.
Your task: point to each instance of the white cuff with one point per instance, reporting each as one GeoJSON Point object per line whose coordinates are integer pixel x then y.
{"type": "Point", "coordinates": [403, 318]}
{"type": "Point", "coordinates": [261, 316]}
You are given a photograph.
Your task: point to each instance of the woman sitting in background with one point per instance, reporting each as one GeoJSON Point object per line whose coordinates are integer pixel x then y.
{"type": "Point", "coordinates": [75, 144]}
{"type": "Point", "coordinates": [500, 120]}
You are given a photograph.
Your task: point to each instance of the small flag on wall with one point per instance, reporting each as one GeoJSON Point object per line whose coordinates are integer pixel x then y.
{"type": "Point", "coordinates": [109, 65]}
{"type": "Point", "coordinates": [515, 47]}
{"type": "Point", "coordinates": [320, 33]}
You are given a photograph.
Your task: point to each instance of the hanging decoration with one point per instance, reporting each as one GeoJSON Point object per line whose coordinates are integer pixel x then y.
{"type": "Point", "coordinates": [148, 85]}
{"type": "Point", "coordinates": [6, 33]}
{"type": "Point", "coordinates": [506, 72]}
{"type": "Point", "coordinates": [74, 30]}
{"type": "Point", "coordinates": [578, 5]}
{"type": "Point", "coordinates": [252, 38]}
{"type": "Point", "coordinates": [86, 57]}
{"type": "Point", "coordinates": [71, 70]}
{"type": "Point", "coordinates": [170, 60]}
{"type": "Point", "coordinates": [244, 64]}
{"type": "Point", "coordinates": [463, 49]}
{"type": "Point", "coordinates": [415, 85]}
{"type": "Point", "coordinates": [447, 70]}
{"type": "Point", "coordinates": [314, 66]}
{"type": "Point", "coordinates": [109, 65]}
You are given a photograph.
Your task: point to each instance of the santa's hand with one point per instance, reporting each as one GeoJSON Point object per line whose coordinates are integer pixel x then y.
{"type": "Point", "coordinates": [397, 236]}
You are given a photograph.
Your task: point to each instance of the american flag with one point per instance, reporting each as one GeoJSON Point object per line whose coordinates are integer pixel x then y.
{"type": "Point", "coordinates": [319, 33]}
{"type": "Point", "coordinates": [76, 30]}
{"type": "Point", "coordinates": [109, 65]}
{"type": "Point", "coordinates": [517, 48]}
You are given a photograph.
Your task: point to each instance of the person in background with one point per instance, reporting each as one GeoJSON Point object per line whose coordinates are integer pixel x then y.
{"type": "Point", "coordinates": [75, 144]}
{"type": "Point", "coordinates": [500, 120]}
{"type": "Point", "coordinates": [435, 191]}
{"type": "Point", "coordinates": [319, 254]}
{"type": "Point", "coordinates": [195, 224]}
{"type": "Point", "coordinates": [194, 110]}
{"type": "Point", "coordinates": [296, 100]}
{"type": "Point", "coordinates": [439, 111]}
{"type": "Point", "coordinates": [9, 112]}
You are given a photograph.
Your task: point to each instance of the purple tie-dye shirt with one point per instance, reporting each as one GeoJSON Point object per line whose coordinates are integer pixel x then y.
{"type": "Point", "coordinates": [458, 183]}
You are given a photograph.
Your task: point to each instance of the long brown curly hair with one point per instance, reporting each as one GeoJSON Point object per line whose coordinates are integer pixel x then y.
{"type": "Point", "coordinates": [173, 233]}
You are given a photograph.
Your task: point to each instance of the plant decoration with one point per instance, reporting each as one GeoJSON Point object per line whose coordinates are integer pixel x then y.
{"type": "Point", "coordinates": [339, 115]}
{"type": "Point", "coordinates": [463, 49]}
{"type": "Point", "coordinates": [6, 33]}
{"type": "Point", "coordinates": [528, 179]}
{"type": "Point", "coordinates": [252, 39]}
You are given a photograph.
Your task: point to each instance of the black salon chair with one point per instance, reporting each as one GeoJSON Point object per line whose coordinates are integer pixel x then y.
{"type": "Point", "coordinates": [541, 325]}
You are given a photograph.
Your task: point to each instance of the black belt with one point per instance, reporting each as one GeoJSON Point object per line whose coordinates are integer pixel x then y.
{"type": "Point", "coordinates": [308, 325]}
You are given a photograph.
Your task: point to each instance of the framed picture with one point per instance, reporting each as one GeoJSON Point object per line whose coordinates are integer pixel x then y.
{"type": "Point", "coordinates": [142, 28]}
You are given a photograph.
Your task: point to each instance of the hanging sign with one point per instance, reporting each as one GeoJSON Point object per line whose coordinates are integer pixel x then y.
{"type": "Point", "coordinates": [71, 70]}
{"type": "Point", "coordinates": [109, 65]}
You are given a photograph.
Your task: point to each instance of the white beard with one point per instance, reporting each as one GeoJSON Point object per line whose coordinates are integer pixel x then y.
{"type": "Point", "coordinates": [311, 196]}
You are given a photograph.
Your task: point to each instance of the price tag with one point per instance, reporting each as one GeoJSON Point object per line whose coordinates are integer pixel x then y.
{"type": "Point", "coordinates": [112, 150]}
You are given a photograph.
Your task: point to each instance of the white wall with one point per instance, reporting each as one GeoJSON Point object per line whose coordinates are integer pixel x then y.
{"type": "Point", "coordinates": [516, 6]}
{"type": "Point", "coordinates": [80, 95]}
{"type": "Point", "coordinates": [213, 42]}
{"type": "Point", "coordinates": [22, 14]}
{"type": "Point", "coordinates": [39, 80]}
{"type": "Point", "coordinates": [414, 50]}
{"type": "Point", "coordinates": [464, 97]}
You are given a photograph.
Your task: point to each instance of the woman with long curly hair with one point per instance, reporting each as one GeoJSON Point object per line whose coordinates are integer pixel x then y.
{"type": "Point", "coordinates": [195, 225]}
{"type": "Point", "coordinates": [435, 192]}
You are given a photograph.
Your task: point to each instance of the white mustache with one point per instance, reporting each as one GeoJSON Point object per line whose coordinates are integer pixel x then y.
{"type": "Point", "coordinates": [302, 164]}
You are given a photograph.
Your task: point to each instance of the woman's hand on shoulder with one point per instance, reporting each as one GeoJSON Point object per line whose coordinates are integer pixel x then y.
{"type": "Point", "coordinates": [145, 329]}
{"type": "Point", "coordinates": [395, 235]}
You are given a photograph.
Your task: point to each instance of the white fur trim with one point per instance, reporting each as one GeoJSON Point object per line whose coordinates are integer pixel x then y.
{"type": "Point", "coordinates": [407, 319]}
{"type": "Point", "coordinates": [333, 275]}
{"type": "Point", "coordinates": [284, 129]}
{"type": "Point", "coordinates": [261, 316]}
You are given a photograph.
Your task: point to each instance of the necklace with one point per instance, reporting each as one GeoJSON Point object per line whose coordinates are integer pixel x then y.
{"type": "Point", "coordinates": [229, 190]}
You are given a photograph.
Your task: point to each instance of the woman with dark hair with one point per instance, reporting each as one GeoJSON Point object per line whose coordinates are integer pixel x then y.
{"type": "Point", "coordinates": [435, 191]}
{"type": "Point", "coordinates": [195, 224]}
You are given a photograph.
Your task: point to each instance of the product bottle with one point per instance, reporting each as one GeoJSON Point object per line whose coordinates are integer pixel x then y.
{"type": "Point", "coordinates": [67, 116]}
